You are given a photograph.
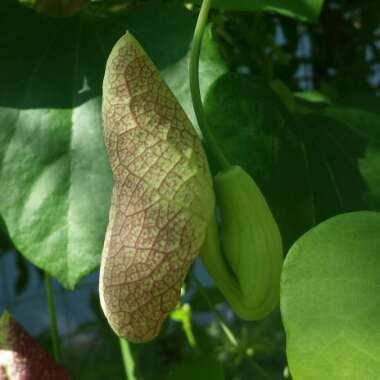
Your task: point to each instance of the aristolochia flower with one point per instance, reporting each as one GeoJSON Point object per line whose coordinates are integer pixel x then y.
{"type": "Point", "coordinates": [162, 198]}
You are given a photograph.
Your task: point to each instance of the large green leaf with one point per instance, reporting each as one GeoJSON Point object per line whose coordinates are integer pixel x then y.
{"type": "Point", "coordinates": [55, 180]}
{"type": "Point", "coordinates": [252, 126]}
{"type": "Point", "coordinates": [307, 10]}
{"type": "Point", "coordinates": [330, 300]}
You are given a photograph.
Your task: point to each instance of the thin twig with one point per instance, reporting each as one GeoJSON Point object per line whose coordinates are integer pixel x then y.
{"type": "Point", "coordinates": [129, 363]}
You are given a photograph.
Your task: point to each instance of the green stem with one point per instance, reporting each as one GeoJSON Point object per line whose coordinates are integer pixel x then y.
{"type": "Point", "coordinates": [52, 318]}
{"type": "Point", "coordinates": [226, 330]}
{"type": "Point", "coordinates": [129, 364]}
{"type": "Point", "coordinates": [208, 136]}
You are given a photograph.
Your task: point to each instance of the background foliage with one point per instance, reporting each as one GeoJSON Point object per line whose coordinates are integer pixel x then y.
{"type": "Point", "coordinates": [291, 90]}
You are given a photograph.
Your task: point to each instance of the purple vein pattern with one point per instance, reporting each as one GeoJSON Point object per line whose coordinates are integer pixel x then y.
{"type": "Point", "coordinates": [162, 197]}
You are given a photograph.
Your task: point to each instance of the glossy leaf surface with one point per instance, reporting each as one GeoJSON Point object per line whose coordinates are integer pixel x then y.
{"type": "Point", "coordinates": [330, 300]}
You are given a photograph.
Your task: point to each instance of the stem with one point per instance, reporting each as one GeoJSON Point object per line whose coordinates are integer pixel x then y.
{"type": "Point", "coordinates": [226, 330]}
{"type": "Point", "coordinates": [129, 364]}
{"type": "Point", "coordinates": [209, 138]}
{"type": "Point", "coordinates": [52, 318]}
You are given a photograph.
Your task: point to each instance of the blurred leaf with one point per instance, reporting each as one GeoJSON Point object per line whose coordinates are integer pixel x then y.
{"type": "Point", "coordinates": [313, 97]}
{"type": "Point", "coordinates": [197, 367]}
{"type": "Point", "coordinates": [252, 126]}
{"type": "Point", "coordinates": [21, 357]}
{"type": "Point", "coordinates": [365, 101]}
{"type": "Point", "coordinates": [364, 123]}
{"type": "Point", "coordinates": [55, 180]}
{"type": "Point", "coordinates": [330, 300]}
{"type": "Point", "coordinates": [313, 102]}
{"type": "Point", "coordinates": [284, 93]}
{"type": "Point", "coordinates": [343, 163]}
{"type": "Point", "coordinates": [307, 10]}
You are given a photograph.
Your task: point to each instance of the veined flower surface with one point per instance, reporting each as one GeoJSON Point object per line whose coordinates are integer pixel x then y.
{"type": "Point", "coordinates": [162, 198]}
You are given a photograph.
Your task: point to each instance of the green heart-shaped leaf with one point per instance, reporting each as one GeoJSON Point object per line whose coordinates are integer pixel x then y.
{"type": "Point", "coordinates": [330, 301]}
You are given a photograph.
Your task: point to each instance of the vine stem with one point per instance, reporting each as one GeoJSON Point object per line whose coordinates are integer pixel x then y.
{"type": "Point", "coordinates": [208, 136]}
{"type": "Point", "coordinates": [226, 330]}
{"type": "Point", "coordinates": [129, 364]}
{"type": "Point", "coordinates": [214, 149]}
{"type": "Point", "coordinates": [52, 318]}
